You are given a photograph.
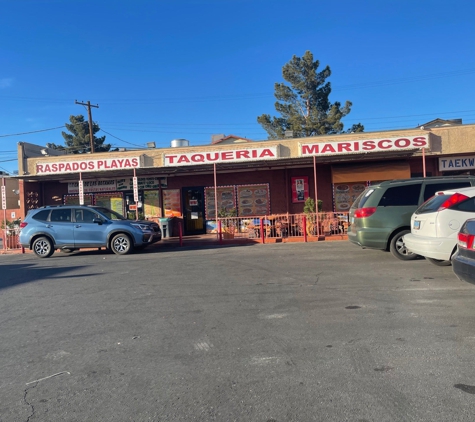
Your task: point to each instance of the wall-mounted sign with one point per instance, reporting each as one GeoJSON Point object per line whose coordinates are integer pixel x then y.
{"type": "Point", "coordinates": [224, 156]}
{"type": "Point", "coordinates": [226, 200]}
{"type": "Point", "coordinates": [135, 185]}
{"type": "Point", "coordinates": [363, 146]}
{"type": "Point", "coordinates": [93, 186]}
{"type": "Point", "coordinates": [299, 189]}
{"type": "Point", "coordinates": [118, 184]}
{"type": "Point", "coordinates": [142, 183]}
{"type": "Point", "coordinates": [172, 202]}
{"type": "Point", "coordinates": [4, 198]}
{"type": "Point", "coordinates": [253, 200]}
{"type": "Point", "coordinates": [81, 192]}
{"type": "Point", "coordinates": [457, 163]}
{"type": "Point", "coordinates": [79, 166]}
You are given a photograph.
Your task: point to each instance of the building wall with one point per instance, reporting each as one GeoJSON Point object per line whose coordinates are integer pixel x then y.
{"type": "Point", "coordinates": [458, 139]}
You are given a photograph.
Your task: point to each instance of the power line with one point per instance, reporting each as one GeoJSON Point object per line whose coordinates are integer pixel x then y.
{"type": "Point", "coordinates": [110, 134]}
{"type": "Point", "coordinates": [370, 84]}
{"type": "Point", "coordinates": [35, 131]}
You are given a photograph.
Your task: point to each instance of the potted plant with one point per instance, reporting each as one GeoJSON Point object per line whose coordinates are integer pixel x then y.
{"type": "Point", "coordinates": [228, 223]}
{"type": "Point", "coordinates": [311, 215]}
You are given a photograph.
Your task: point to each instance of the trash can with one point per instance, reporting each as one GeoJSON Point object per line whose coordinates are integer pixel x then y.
{"type": "Point", "coordinates": [165, 226]}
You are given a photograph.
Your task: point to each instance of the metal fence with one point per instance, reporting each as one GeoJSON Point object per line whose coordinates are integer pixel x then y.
{"type": "Point", "coordinates": [10, 239]}
{"type": "Point", "coordinates": [283, 226]}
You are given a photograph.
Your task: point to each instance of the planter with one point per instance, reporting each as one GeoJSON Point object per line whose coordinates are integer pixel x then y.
{"type": "Point", "coordinates": [227, 235]}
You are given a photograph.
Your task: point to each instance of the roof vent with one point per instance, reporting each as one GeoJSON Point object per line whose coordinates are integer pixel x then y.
{"type": "Point", "coordinates": [176, 143]}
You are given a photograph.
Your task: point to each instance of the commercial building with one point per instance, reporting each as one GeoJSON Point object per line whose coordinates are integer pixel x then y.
{"type": "Point", "coordinates": [254, 178]}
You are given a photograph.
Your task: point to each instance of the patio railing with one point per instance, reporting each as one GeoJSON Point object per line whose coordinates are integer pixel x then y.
{"type": "Point", "coordinates": [284, 226]}
{"type": "Point", "coordinates": [10, 239]}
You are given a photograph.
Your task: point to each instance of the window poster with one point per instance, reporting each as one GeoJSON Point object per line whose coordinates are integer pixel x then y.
{"type": "Point", "coordinates": [226, 200]}
{"type": "Point", "coordinates": [299, 189]}
{"type": "Point", "coordinates": [253, 200]}
{"type": "Point", "coordinates": [152, 204]}
{"type": "Point", "coordinates": [74, 200]}
{"type": "Point", "coordinates": [172, 202]}
{"type": "Point", "coordinates": [346, 193]}
{"type": "Point", "coordinates": [114, 201]}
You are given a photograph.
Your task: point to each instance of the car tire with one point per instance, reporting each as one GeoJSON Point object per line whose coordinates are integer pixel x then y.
{"type": "Point", "coordinates": [440, 262]}
{"type": "Point", "coordinates": [42, 247]}
{"type": "Point", "coordinates": [121, 244]}
{"type": "Point", "coordinates": [398, 249]}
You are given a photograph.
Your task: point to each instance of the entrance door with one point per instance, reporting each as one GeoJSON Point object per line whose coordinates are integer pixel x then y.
{"type": "Point", "coordinates": [193, 210]}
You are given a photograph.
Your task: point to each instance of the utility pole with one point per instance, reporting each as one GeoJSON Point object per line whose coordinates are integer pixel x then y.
{"type": "Point", "coordinates": [91, 136]}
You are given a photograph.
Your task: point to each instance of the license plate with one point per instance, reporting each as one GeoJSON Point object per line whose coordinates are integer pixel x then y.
{"type": "Point", "coordinates": [417, 225]}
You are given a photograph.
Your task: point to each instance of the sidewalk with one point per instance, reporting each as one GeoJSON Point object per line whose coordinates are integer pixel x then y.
{"type": "Point", "coordinates": [206, 240]}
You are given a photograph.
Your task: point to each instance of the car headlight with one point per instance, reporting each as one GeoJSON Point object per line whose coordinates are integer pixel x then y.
{"type": "Point", "coordinates": [142, 227]}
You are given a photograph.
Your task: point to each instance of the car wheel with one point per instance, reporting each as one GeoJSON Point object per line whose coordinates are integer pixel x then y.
{"type": "Point", "coordinates": [42, 247]}
{"type": "Point", "coordinates": [440, 262]}
{"type": "Point", "coordinates": [121, 244]}
{"type": "Point", "coordinates": [398, 249]}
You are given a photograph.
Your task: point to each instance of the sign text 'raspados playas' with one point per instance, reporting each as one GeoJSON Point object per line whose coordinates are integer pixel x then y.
{"type": "Point", "coordinates": [88, 165]}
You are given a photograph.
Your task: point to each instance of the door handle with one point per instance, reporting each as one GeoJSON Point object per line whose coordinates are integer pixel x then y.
{"type": "Point", "coordinates": [77, 226]}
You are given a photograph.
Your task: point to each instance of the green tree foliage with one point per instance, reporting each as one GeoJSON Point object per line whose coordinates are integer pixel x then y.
{"type": "Point", "coordinates": [77, 142]}
{"type": "Point", "coordinates": [304, 106]}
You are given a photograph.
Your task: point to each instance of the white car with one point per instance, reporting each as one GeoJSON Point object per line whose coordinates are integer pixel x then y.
{"type": "Point", "coordinates": [435, 224]}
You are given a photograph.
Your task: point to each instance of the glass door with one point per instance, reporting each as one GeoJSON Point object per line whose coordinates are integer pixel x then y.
{"type": "Point", "coordinates": [193, 210]}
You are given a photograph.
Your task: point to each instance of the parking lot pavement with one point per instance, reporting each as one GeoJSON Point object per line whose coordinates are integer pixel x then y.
{"type": "Point", "coordinates": [284, 332]}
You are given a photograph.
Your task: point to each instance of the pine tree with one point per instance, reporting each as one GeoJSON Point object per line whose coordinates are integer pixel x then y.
{"type": "Point", "coordinates": [79, 141]}
{"type": "Point", "coordinates": [304, 106]}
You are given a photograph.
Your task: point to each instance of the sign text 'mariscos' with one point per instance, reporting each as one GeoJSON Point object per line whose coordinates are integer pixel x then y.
{"type": "Point", "coordinates": [364, 145]}
{"type": "Point", "coordinates": [248, 154]}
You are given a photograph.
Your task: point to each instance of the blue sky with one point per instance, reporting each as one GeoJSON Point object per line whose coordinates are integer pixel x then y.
{"type": "Point", "coordinates": [161, 70]}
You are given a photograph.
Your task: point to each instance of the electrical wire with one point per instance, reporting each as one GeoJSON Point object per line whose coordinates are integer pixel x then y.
{"type": "Point", "coordinates": [371, 84]}
{"type": "Point", "coordinates": [35, 131]}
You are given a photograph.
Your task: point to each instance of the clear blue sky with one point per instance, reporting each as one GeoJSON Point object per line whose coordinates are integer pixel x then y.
{"type": "Point", "coordinates": [161, 70]}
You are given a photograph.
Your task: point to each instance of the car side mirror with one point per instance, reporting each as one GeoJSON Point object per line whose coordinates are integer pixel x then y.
{"type": "Point", "coordinates": [98, 221]}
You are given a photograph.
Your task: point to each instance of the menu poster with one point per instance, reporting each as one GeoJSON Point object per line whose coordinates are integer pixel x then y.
{"type": "Point", "coordinates": [113, 201]}
{"type": "Point", "coordinates": [346, 193]}
{"type": "Point", "coordinates": [172, 202]}
{"type": "Point", "coordinates": [74, 199]}
{"type": "Point", "coordinates": [253, 200]}
{"type": "Point", "coordinates": [299, 189]}
{"type": "Point", "coordinates": [152, 204]}
{"type": "Point", "coordinates": [226, 200]}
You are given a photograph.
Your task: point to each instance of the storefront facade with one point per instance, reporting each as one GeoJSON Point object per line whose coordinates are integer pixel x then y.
{"type": "Point", "coordinates": [251, 179]}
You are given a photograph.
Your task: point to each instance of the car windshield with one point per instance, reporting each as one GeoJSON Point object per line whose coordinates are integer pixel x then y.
{"type": "Point", "coordinates": [111, 215]}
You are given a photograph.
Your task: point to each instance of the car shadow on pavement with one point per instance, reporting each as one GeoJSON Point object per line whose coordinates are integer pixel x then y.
{"type": "Point", "coordinates": [22, 273]}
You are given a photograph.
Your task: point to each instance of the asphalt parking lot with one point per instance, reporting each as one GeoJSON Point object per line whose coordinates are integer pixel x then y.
{"type": "Point", "coordinates": [321, 331]}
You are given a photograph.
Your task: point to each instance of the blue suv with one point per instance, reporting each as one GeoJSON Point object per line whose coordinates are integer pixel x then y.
{"type": "Point", "coordinates": [69, 228]}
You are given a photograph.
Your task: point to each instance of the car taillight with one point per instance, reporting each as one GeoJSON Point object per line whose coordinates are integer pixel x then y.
{"type": "Point", "coordinates": [466, 240]}
{"type": "Point", "coordinates": [23, 225]}
{"type": "Point", "coordinates": [454, 199]}
{"type": "Point", "coordinates": [364, 212]}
